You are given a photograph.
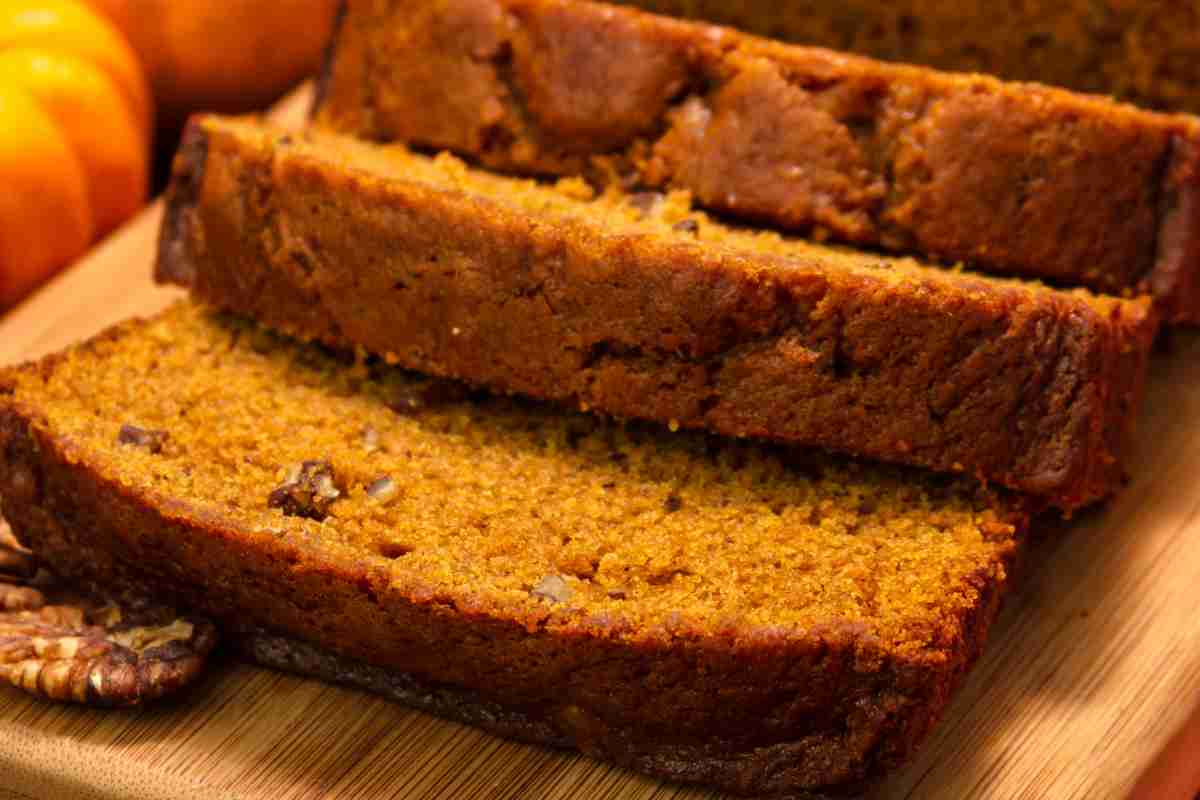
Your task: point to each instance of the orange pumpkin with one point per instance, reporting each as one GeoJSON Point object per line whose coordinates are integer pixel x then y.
{"type": "Point", "coordinates": [75, 121]}
{"type": "Point", "coordinates": [232, 55]}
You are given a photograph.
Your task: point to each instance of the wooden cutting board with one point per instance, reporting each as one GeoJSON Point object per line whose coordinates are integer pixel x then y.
{"type": "Point", "coordinates": [1092, 667]}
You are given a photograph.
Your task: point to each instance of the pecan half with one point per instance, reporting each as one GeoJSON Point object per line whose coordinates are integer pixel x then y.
{"type": "Point", "coordinates": [88, 655]}
{"type": "Point", "coordinates": [62, 645]}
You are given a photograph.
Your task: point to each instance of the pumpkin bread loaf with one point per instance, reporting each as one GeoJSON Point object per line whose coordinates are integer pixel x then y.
{"type": "Point", "coordinates": [1010, 178]}
{"type": "Point", "coordinates": [639, 306]}
{"type": "Point", "coordinates": [1142, 52]}
{"type": "Point", "coordinates": [754, 617]}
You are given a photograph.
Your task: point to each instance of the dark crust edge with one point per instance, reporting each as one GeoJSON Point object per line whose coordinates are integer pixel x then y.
{"type": "Point", "coordinates": [329, 56]}
{"type": "Point", "coordinates": [173, 263]}
{"type": "Point", "coordinates": [298, 657]}
{"type": "Point", "coordinates": [66, 490]}
{"type": "Point", "coordinates": [290, 655]}
{"type": "Point", "coordinates": [1174, 279]}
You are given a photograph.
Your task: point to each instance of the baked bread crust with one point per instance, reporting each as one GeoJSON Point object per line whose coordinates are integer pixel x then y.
{"type": "Point", "coordinates": [1011, 178]}
{"type": "Point", "coordinates": [447, 273]}
{"type": "Point", "coordinates": [667, 761]}
{"type": "Point", "coordinates": [755, 710]}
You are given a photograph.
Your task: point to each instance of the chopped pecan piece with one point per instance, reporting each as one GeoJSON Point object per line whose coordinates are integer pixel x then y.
{"type": "Point", "coordinates": [309, 491]}
{"type": "Point", "coordinates": [646, 202]}
{"type": "Point", "coordinates": [552, 588]}
{"type": "Point", "coordinates": [383, 490]}
{"type": "Point", "coordinates": [142, 437]}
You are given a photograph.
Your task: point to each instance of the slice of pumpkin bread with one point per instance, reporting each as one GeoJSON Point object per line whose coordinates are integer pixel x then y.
{"type": "Point", "coordinates": [1012, 178]}
{"type": "Point", "coordinates": [759, 618]}
{"type": "Point", "coordinates": [637, 305]}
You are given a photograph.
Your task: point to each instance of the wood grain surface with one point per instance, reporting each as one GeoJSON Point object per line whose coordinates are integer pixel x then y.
{"type": "Point", "coordinates": [1092, 668]}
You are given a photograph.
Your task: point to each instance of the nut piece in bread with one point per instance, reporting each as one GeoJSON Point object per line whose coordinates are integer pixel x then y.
{"type": "Point", "coordinates": [65, 646]}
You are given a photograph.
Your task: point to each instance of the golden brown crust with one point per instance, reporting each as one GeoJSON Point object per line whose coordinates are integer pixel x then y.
{"type": "Point", "coordinates": [1026, 386]}
{"type": "Point", "coordinates": [667, 761]}
{"type": "Point", "coordinates": [1016, 179]}
{"type": "Point", "coordinates": [825, 707]}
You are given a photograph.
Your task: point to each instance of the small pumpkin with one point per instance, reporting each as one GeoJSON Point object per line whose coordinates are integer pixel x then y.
{"type": "Point", "coordinates": [75, 122]}
{"type": "Point", "coordinates": [233, 55]}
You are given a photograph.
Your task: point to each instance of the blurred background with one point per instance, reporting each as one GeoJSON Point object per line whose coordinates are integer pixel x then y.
{"type": "Point", "coordinates": [94, 94]}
